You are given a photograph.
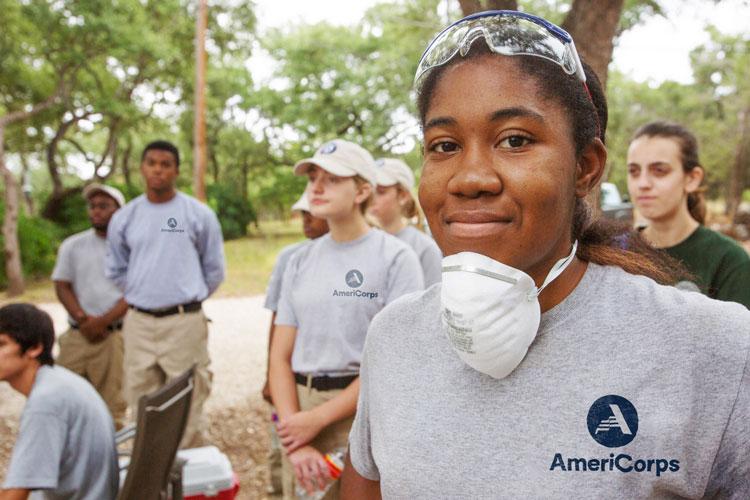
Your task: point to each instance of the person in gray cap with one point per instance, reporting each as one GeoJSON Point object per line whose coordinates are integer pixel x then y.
{"type": "Point", "coordinates": [331, 290]}
{"type": "Point", "coordinates": [92, 346]}
{"type": "Point", "coordinates": [394, 207]}
{"type": "Point", "coordinates": [313, 228]}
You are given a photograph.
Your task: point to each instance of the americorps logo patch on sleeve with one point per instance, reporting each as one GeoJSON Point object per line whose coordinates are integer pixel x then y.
{"type": "Point", "coordinates": [613, 421]}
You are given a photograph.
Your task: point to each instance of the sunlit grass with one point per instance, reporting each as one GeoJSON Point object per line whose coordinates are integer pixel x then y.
{"type": "Point", "coordinates": [250, 261]}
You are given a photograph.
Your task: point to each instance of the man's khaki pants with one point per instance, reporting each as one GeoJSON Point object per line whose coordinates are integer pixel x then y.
{"type": "Point", "coordinates": [158, 350]}
{"type": "Point", "coordinates": [100, 363]}
{"type": "Point", "coordinates": [332, 437]}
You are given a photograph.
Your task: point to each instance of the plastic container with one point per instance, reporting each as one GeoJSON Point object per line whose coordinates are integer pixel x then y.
{"type": "Point", "coordinates": [207, 475]}
{"type": "Point", "coordinates": [335, 462]}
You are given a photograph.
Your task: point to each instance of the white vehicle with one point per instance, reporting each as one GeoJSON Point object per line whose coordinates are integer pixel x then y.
{"type": "Point", "coordinates": [613, 205]}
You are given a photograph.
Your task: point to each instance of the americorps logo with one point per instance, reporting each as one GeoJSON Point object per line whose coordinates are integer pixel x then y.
{"type": "Point", "coordinates": [354, 279]}
{"type": "Point", "coordinates": [172, 224]}
{"type": "Point", "coordinates": [612, 422]}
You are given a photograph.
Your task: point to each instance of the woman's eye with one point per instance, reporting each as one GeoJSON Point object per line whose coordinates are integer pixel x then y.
{"type": "Point", "coordinates": [444, 147]}
{"type": "Point", "coordinates": [634, 171]}
{"type": "Point", "coordinates": [515, 141]}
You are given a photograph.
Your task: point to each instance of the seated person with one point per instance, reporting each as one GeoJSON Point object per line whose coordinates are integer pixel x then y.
{"type": "Point", "coordinates": [65, 446]}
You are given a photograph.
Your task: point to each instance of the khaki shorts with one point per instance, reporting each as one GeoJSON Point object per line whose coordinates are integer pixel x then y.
{"type": "Point", "coordinates": [100, 363]}
{"type": "Point", "coordinates": [332, 437]}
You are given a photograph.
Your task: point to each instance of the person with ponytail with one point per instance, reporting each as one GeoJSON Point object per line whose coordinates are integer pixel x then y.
{"type": "Point", "coordinates": [549, 362]}
{"type": "Point", "coordinates": [393, 208]}
{"type": "Point", "coordinates": [664, 181]}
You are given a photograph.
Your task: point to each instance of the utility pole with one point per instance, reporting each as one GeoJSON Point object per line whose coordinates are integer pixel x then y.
{"type": "Point", "coordinates": [199, 128]}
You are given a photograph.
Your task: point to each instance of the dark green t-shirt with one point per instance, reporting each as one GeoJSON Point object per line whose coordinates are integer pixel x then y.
{"type": "Point", "coordinates": [721, 266]}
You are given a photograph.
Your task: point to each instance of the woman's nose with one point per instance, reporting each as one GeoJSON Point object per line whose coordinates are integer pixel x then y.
{"type": "Point", "coordinates": [476, 175]}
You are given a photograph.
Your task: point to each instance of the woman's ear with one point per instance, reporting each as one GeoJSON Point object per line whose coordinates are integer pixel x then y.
{"type": "Point", "coordinates": [590, 167]}
{"type": "Point", "coordinates": [694, 178]}
{"type": "Point", "coordinates": [364, 191]}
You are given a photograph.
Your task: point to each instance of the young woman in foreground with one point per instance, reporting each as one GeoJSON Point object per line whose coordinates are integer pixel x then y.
{"type": "Point", "coordinates": [664, 181]}
{"type": "Point", "coordinates": [549, 363]}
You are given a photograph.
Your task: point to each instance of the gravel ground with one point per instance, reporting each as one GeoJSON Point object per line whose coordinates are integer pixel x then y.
{"type": "Point", "coordinates": [237, 414]}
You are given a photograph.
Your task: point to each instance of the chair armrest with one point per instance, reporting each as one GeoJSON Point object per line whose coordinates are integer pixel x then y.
{"type": "Point", "coordinates": [125, 433]}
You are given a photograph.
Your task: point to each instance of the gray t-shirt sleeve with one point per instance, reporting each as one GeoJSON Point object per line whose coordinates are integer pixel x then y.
{"type": "Point", "coordinates": [37, 453]}
{"type": "Point", "coordinates": [432, 265]}
{"type": "Point", "coordinates": [64, 270]}
{"type": "Point", "coordinates": [360, 443]}
{"type": "Point", "coordinates": [118, 251]}
{"type": "Point", "coordinates": [404, 276]}
{"type": "Point", "coordinates": [285, 313]}
{"type": "Point", "coordinates": [273, 291]}
{"type": "Point", "coordinates": [730, 474]}
{"type": "Point", "coordinates": [211, 250]}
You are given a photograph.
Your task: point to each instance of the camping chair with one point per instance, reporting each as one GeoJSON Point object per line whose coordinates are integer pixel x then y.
{"type": "Point", "coordinates": [162, 415]}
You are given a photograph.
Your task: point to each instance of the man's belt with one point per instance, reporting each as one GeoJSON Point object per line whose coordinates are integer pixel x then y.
{"type": "Point", "coordinates": [112, 327]}
{"type": "Point", "coordinates": [324, 382]}
{"type": "Point", "coordinates": [169, 311]}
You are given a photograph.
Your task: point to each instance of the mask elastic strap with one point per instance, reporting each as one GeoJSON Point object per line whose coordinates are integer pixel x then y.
{"type": "Point", "coordinates": [557, 270]}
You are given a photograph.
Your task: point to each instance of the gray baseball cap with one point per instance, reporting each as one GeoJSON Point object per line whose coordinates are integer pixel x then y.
{"type": "Point", "coordinates": [95, 187]}
{"type": "Point", "coordinates": [342, 158]}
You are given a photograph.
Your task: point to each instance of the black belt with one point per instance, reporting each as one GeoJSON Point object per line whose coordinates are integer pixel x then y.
{"type": "Point", "coordinates": [112, 327]}
{"type": "Point", "coordinates": [324, 382]}
{"type": "Point", "coordinates": [169, 311]}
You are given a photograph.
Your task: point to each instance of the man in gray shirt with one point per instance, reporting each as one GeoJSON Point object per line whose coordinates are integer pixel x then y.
{"type": "Point", "coordinates": [165, 251]}
{"type": "Point", "coordinates": [92, 347]}
{"type": "Point", "coordinates": [66, 445]}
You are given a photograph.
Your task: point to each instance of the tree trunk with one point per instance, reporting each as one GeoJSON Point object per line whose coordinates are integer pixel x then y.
{"type": "Point", "coordinates": [199, 131]}
{"type": "Point", "coordinates": [11, 248]}
{"type": "Point", "coordinates": [739, 167]}
{"type": "Point", "coordinates": [593, 26]}
{"type": "Point", "coordinates": [125, 165]}
{"type": "Point", "coordinates": [473, 6]}
{"type": "Point", "coordinates": [27, 198]}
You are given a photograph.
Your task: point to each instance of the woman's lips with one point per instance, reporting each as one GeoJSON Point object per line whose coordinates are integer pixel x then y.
{"type": "Point", "coordinates": [318, 201]}
{"type": "Point", "coordinates": [476, 224]}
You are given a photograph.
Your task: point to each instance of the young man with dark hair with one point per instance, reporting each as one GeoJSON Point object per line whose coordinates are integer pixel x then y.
{"type": "Point", "coordinates": [166, 253]}
{"type": "Point", "coordinates": [66, 444]}
{"type": "Point", "coordinates": [92, 347]}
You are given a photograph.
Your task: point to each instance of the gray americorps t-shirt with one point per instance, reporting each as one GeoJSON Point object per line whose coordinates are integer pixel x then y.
{"type": "Point", "coordinates": [164, 254]}
{"type": "Point", "coordinates": [66, 442]}
{"type": "Point", "coordinates": [430, 256]}
{"type": "Point", "coordinates": [273, 291]}
{"type": "Point", "coordinates": [80, 261]}
{"type": "Point", "coordinates": [331, 291]}
{"type": "Point", "coordinates": [630, 390]}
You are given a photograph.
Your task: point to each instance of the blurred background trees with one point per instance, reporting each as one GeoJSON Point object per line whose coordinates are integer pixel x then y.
{"type": "Point", "coordinates": [84, 85]}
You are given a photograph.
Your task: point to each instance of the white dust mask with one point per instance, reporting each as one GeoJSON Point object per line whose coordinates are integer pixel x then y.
{"type": "Point", "coordinates": [491, 311]}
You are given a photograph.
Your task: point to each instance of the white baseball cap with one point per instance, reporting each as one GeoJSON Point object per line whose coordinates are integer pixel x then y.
{"type": "Point", "coordinates": [342, 158]}
{"type": "Point", "coordinates": [391, 171]}
{"type": "Point", "coordinates": [95, 187]}
{"type": "Point", "coordinates": [302, 205]}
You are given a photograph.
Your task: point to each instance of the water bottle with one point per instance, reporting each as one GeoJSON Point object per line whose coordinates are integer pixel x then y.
{"type": "Point", "coordinates": [335, 462]}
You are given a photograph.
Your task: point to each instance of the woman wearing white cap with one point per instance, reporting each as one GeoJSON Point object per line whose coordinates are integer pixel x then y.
{"type": "Point", "coordinates": [331, 290]}
{"type": "Point", "coordinates": [394, 206]}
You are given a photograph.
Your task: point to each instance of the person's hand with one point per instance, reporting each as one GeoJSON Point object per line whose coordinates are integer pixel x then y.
{"type": "Point", "coordinates": [266, 392]}
{"type": "Point", "coordinates": [310, 468]}
{"type": "Point", "coordinates": [94, 328]}
{"type": "Point", "coordinates": [299, 429]}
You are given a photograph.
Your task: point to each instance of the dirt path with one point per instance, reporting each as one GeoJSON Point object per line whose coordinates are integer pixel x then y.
{"type": "Point", "coordinates": [237, 414]}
